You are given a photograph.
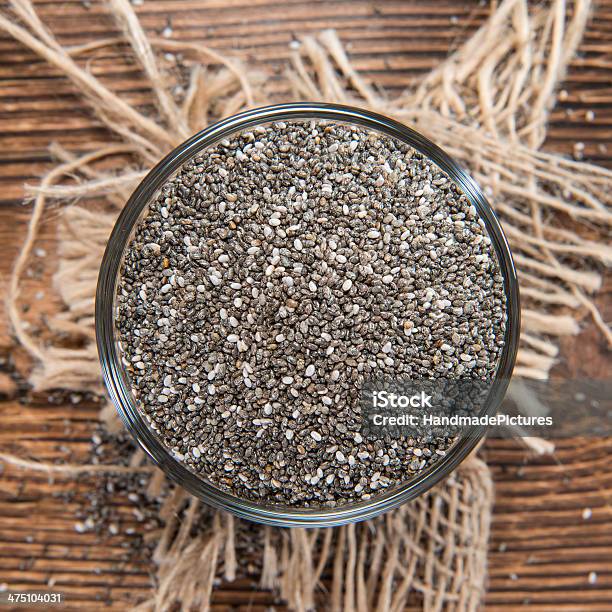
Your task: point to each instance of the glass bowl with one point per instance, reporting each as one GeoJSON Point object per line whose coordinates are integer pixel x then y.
{"type": "Point", "coordinates": [117, 381]}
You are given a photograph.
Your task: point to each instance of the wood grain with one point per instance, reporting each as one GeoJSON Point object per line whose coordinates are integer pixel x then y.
{"type": "Point", "coordinates": [542, 547]}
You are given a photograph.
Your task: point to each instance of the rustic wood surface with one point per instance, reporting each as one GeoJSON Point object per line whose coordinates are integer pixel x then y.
{"type": "Point", "coordinates": [552, 515]}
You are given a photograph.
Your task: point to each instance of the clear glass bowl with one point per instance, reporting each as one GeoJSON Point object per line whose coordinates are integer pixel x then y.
{"type": "Point", "coordinates": [117, 381]}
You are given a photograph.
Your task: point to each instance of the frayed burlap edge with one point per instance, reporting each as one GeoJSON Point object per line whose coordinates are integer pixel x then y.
{"type": "Point", "coordinates": [487, 105]}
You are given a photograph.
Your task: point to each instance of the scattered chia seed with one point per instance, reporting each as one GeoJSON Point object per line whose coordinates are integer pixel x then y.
{"type": "Point", "coordinates": [587, 513]}
{"type": "Point", "coordinates": [288, 265]}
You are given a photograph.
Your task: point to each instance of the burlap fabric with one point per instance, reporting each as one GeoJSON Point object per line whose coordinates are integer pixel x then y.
{"type": "Point", "coordinates": [487, 105]}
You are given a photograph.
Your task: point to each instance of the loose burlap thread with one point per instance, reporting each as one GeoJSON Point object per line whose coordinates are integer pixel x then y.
{"type": "Point", "coordinates": [487, 105]}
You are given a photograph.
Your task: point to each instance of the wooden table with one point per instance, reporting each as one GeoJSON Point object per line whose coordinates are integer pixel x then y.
{"type": "Point", "coordinates": [552, 517]}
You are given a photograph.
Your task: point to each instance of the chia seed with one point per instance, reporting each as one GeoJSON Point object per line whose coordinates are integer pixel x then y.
{"type": "Point", "coordinates": [272, 276]}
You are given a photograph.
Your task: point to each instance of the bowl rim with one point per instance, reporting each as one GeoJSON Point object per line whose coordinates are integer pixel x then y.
{"type": "Point", "coordinates": [117, 382]}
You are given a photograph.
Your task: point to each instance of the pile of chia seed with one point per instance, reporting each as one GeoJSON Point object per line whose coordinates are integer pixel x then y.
{"type": "Point", "coordinates": [272, 276]}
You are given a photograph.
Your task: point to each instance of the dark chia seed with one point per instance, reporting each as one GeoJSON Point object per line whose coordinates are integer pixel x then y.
{"type": "Point", "coordinates": [272, 276]}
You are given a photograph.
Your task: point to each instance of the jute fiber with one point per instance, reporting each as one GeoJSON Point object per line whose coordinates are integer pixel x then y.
{"type": "Point", "coordinates": [487, 105]}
